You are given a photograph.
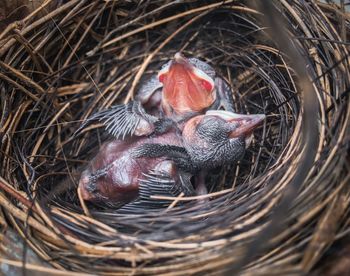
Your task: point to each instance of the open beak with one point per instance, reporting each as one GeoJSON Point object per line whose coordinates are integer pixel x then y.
{"type": "Point", "coordinates": [185, 87]}
{"type": "Point", "coordinates": [242, 125]}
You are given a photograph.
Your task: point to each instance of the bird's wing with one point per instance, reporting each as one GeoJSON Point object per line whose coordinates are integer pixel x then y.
{"type": "Point", "coordinates": [124, 120]}
{"type": "Point", "coordinates": [157, 183]}
{"type": "Point", "coordinates": [177, 154]}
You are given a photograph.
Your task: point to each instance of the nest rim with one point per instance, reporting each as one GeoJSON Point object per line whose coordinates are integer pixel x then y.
{"type": "Point", "coordinates": [160, 244]}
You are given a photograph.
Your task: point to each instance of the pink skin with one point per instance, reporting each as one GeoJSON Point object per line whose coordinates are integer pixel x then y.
{"type": "Point", "coordinates": [123, 170]}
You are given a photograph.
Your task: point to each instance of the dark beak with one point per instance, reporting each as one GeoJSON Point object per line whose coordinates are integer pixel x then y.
{"type": "Point", "coordinates": [242, 125]}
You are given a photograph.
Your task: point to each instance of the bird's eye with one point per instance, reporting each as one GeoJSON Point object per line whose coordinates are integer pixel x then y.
{"type": "Point", "coordinates": [209, 122]}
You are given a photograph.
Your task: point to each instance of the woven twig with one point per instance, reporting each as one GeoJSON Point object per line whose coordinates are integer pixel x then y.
{"type": "Point", "coordinates": [85, 56]}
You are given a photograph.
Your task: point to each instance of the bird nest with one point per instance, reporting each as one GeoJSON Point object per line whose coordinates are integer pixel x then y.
{"type": "Point", "coordinates": [276, 211]}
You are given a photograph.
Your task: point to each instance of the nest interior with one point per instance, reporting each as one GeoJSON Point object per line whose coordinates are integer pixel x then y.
{"type": "Point", "coordinates": [85, 56]}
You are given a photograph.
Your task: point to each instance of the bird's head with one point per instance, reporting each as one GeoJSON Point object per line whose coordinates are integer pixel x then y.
{"type": "Point", "coordinates": [188, 85]}
{"type": "Point", "coordinates": [219, 137]}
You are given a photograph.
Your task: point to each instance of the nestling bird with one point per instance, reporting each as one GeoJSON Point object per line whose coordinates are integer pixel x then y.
{"type": "Point", "coordinates": [141, 166]}
{"type": "Point", "coordinates": [120, 167]}
{"type": "Point", "coordinates": [170, 137]}
{"type": "Point", "coordinates": [185, 86]}
{"type": "Point", "coordinates": [182, 89]}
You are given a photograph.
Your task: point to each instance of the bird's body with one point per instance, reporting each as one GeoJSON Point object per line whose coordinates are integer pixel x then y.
{"type": "Point", "coordinates": [115, 172]}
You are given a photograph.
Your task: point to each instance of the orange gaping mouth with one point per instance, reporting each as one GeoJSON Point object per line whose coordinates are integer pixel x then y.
{"type": "Point", "coordinates": [186, 88]}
